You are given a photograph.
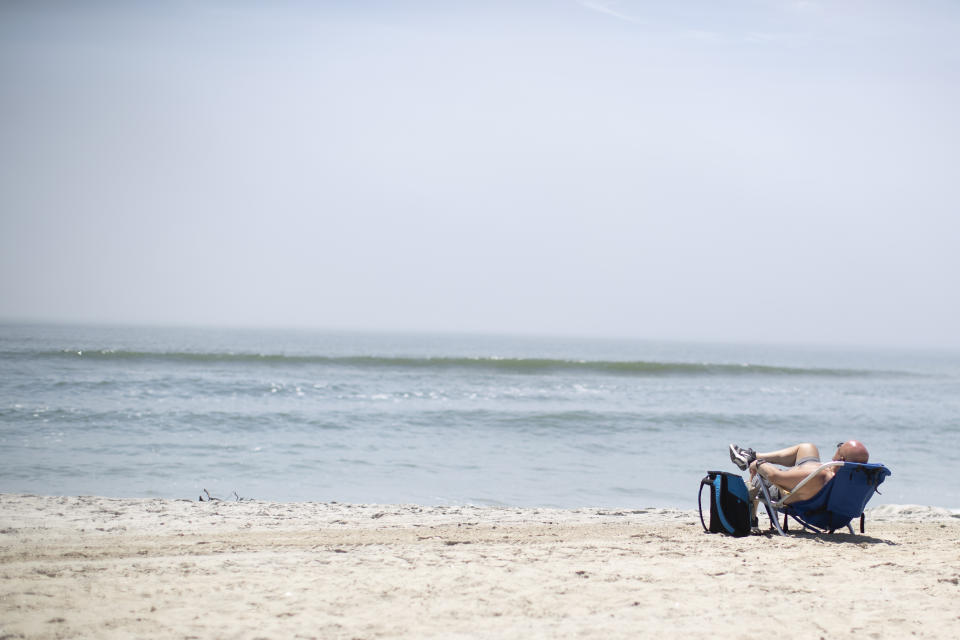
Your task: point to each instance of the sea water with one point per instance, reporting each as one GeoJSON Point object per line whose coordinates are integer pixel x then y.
{"type": "Point", "coordinates": [449, 419]}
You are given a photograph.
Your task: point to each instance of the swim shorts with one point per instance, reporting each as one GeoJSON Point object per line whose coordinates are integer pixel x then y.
{"type": "Point", "coordinates": [772, 489]}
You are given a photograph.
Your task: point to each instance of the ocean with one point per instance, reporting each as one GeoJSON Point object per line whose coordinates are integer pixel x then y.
{"type": "Point", "coordinates": [298, 415]}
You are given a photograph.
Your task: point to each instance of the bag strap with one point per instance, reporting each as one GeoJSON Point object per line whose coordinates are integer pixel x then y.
{"type": "Point", "coordinates": [708, 481]}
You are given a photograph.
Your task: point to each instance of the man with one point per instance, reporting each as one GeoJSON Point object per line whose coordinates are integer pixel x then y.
{"type": "Point", "coordinates": [800, 461]}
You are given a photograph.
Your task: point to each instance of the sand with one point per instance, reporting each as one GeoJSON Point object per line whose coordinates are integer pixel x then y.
{"type": "Point", "coordinates": [88, 567]}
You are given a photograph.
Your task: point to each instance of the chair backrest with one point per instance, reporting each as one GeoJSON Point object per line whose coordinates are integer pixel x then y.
{"type": "Point", "coordinates": [843, 498]}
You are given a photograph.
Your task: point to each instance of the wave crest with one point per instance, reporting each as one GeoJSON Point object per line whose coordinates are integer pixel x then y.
{"type": "Point", "coordinates": [493, 364]}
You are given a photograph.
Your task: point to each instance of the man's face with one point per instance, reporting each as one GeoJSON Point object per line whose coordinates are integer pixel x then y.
{"type": "Point", "coordinates": [840, 454]}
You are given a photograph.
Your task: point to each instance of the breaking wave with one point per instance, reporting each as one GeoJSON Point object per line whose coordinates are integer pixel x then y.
{"type": "Point", "coordinates": [492, 364]}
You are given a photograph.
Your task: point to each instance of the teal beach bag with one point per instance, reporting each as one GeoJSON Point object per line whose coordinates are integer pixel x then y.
{"type": "Point", "coordinates": [729, 504]}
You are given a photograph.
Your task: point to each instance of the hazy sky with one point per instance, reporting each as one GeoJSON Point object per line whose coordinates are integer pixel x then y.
{"type": "Point", "coordinates": [748, 169]}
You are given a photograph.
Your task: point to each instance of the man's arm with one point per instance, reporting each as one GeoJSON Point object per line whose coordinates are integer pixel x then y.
{"type": "Point", "coordinates": [783, 478]}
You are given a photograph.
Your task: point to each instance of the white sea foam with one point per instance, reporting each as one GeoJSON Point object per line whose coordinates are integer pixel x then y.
{"type": "Point", "coordinates": [911, 513]}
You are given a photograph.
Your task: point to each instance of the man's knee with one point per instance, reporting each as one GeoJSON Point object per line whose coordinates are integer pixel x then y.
{"type": "Point", "coordinates": [806, 449]}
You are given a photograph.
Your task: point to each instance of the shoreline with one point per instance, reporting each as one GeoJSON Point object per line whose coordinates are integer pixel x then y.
{"type": "Point", "coordinates": [112, 567]}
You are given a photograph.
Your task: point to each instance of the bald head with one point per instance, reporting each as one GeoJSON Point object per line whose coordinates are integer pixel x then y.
{"type": "Point", "coordinates": [852, 451]}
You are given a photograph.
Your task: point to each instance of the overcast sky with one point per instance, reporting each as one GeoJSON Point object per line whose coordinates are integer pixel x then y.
{"type": "Point", "coordinates": [741, 170]}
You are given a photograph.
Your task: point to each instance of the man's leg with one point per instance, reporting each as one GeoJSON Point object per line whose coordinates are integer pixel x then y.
{"type": "Point", "coordinates": [789, 456]}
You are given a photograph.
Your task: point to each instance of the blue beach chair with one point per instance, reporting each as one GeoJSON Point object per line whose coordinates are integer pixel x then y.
{"type": "Point", "coordinates": [841, 500]}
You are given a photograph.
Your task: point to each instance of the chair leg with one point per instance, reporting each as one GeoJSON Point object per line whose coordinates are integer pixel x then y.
{"type": "Point", "coordinates": [863, 519]}
{"type": "Point", "coordinates": [771, 512]}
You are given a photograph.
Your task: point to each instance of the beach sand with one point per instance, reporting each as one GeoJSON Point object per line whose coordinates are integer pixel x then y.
{"type": "Point", "coordinates": [98, 567]}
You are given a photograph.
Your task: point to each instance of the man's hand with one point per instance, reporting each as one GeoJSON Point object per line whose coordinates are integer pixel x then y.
{"type": "Point", "coordinates": [753, 469]}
